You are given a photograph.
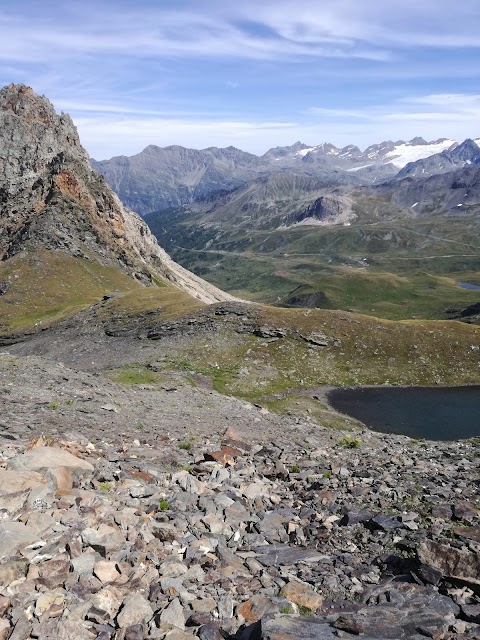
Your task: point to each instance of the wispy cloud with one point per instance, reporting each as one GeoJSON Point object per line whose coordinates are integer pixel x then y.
{"type": "Point", "coordinates": [216, 72]}
{"type": "Point", "coordinates": [456, 116]}
{"type": "Point", "coordinates": [126, 136]}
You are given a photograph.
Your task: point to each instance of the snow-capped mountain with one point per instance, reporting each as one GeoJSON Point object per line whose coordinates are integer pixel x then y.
{"type": "Point", "coordinates": [451, 159]}
{"type": "Point", "coordinates": [161, 178]}
{"type": "Point", "coordinates": [351, 158]}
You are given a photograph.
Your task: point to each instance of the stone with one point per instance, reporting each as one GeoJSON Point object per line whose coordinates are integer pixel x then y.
{"type": "Point", "coordinates": [103, 539]}
{"type": "Point", "coordinates": [14, 536]}
{"type": "Point", "coordinates": [225, 607]}
{"type": "Point", "coordinates": [173, 615]}
{"type": "Point", "coordinates": [189, 483]}
{"type": "Point", "coordinates": [387, 522]}
{"type": "Point", "coordinates": [354, 516]}
{"type": "Point", "coordinates": [296, 628]}
{"type": "Point", "coordinates": [136, 609]}
{"type": "Point", "coordinates": [61, 478]}
{"type": "Point", "coordinates": [109, 599]}
{"type": "Point", "coordinates": [5, 629]}
{"type": "Point", "coordinates": [204, 605]}
{"type": "Point", "coordinates": [408, 609]}
{"type": "Point", "coordinates": [13, 482]}
{"type": "Point", "coordinates": [83, 564]}
{"type": "Point", "coordinates": [210, 631]}
{"type": "Point", "coordinates": [273, 555]}
{"type": "Point", "coordinates": [21, 628]}
{"type": "Point", "coordinates": [471, 612]}
{"type": "Point", "coordinates": [106, 571]}
{"type": "Point", "coordinates": [255, 608]}
{"type": "Point", "coordinates": [225, 455]}
{"type": "Point", "coordinates": [453, 563]}
{"type": "Point", "coordinates": [50, 604]}
{"type": "Point", "coordinates": [47, 458]}
{"type": "Point", "coordinates": [52, 573]}
{"type": "Point", "coordinates": [302, 594]}
{"type": "Point", "coordinates": [12, 570]}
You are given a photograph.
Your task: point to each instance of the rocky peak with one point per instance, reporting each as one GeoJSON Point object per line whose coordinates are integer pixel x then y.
{"type": "Point", "coordinates": [50, 197]}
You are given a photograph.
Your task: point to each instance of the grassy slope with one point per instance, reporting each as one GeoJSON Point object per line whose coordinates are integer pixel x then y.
{"type": "Point", "coordinates": [48, 286]}
{"type": "Point", "coordinates": [361, 350]}
{"type": "Point", "coordinates": [383, 268]}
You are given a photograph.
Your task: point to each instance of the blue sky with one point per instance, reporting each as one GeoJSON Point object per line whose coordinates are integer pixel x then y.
{"type": "Point", "coordinates": [253, 74]}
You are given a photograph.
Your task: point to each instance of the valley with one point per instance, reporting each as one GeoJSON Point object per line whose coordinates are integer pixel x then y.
{"type": "Point", "coordinates": [171, 465]}
{"type": "Point", "coordinates": [319, 234]}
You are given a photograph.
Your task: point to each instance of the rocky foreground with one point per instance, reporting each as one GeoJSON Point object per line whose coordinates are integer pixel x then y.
{"type": "Point", "coordinates": [181, 537]}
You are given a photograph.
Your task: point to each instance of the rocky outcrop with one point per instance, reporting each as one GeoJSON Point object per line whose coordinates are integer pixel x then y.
{"type": "Point", "coordinates": [51, 197]}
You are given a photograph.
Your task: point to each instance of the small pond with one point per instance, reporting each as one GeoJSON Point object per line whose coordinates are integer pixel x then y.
{"type": "Point", "coordinates": [434, 413]}
{"type": "Point", "coordinates": [469, 285]}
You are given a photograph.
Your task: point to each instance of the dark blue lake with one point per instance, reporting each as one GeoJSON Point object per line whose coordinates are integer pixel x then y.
{"type": "Point", "coordinates": [434, 413]}
{"type": "Point", "coordinates": [469, 285]}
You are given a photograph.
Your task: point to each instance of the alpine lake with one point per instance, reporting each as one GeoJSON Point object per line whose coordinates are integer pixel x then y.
{"type": "Point", "coordinates": [432, 413]}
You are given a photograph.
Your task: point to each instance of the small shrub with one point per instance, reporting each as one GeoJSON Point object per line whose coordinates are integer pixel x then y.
{"type": "Point", "coordinates": [327, 474]}
{"type": "Point", "coordinates": [305, 611]}
{"type": "Point", "coordinates": [163, 505]}
{"type": "Point", "coordinates": [295, 469]}
{"type": "Point", "coordinates": [69, 403]}
{"type": "Point", "coordinates": [186, 446]}
{"type": "Point", "coordinates": [350, 443]}
{"type": "Point", "coordinates": [53, 406]}
{"type": "Point", "coordinates": [105, 486]}
{"type": "Point", "coordinates": [286, 609]}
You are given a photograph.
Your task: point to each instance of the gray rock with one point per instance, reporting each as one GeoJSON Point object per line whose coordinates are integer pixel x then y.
{"type": "Point", "coordinates": [289, 627]}
{"type": "Point", "coordinates": [273, 555]}
{"type": "Point", "coordinates": [135, 610]}
{"type": "Point", "coordinates": [103, 539]}
{"type": "Point", "coordinates": [173, 615]}
{"type": "Point", "coordinates": [46, 458]}
{"type": "Point", "coordinates": [14, 536]}
{"type": "Point", "coordinates": [453, 563]}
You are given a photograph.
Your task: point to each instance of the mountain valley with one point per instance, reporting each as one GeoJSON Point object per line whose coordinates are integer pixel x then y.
{"type": "Point", "coordinates": [387, 232]}
{"type": "Point", "coordinates": [170, 464]}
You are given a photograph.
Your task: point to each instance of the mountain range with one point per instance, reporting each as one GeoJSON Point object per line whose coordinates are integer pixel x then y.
{"type": "Point", "coordinates": [161, 178]}
{"type": "Point", "coordinates": [387, 231]}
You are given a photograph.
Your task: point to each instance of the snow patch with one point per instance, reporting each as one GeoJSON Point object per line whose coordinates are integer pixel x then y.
{"type": "Point", "coordinates": [405, 153]}
{"type": "Point", "coordinates": [364, 166]}
{"type": "Point", "coordinates": [303, 152]}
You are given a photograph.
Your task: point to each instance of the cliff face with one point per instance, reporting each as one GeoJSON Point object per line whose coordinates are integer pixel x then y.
{"type": "Point", "coordinates": [50, 197]}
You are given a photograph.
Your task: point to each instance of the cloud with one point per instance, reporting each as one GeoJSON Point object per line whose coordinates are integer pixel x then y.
{"type": "Point", "coordinates": [104, 137]}
{"type": "Point", "coordinates": [455, 116]}
{"type": "Point", "coordinates": [431, 116]}
{"type": "Point", "coordinates": [164, 72]}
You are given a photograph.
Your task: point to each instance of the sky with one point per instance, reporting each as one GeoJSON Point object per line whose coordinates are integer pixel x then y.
{"type": "Point", "coordinates": [252, 73]}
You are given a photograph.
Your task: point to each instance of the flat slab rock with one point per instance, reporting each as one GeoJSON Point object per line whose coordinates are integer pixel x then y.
{"type": "Point", "coordinates": [298, 628]}
{"type": "Point", "coordinates": [44, 458]}
{"type": "Point", "coordinates": [15, 536]}
{"type": "Point", "coordinates": [451, 562]}
{"type": "Point", "coordinates": [272, 555]}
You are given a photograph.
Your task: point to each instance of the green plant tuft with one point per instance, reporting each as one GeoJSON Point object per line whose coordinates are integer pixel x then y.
{"type": "Point", "coordinates": [347, 442]}
{"type": "Point", "coordinates": [164, 505]}
{"type": "Point", "coordinates": [288, 609]}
